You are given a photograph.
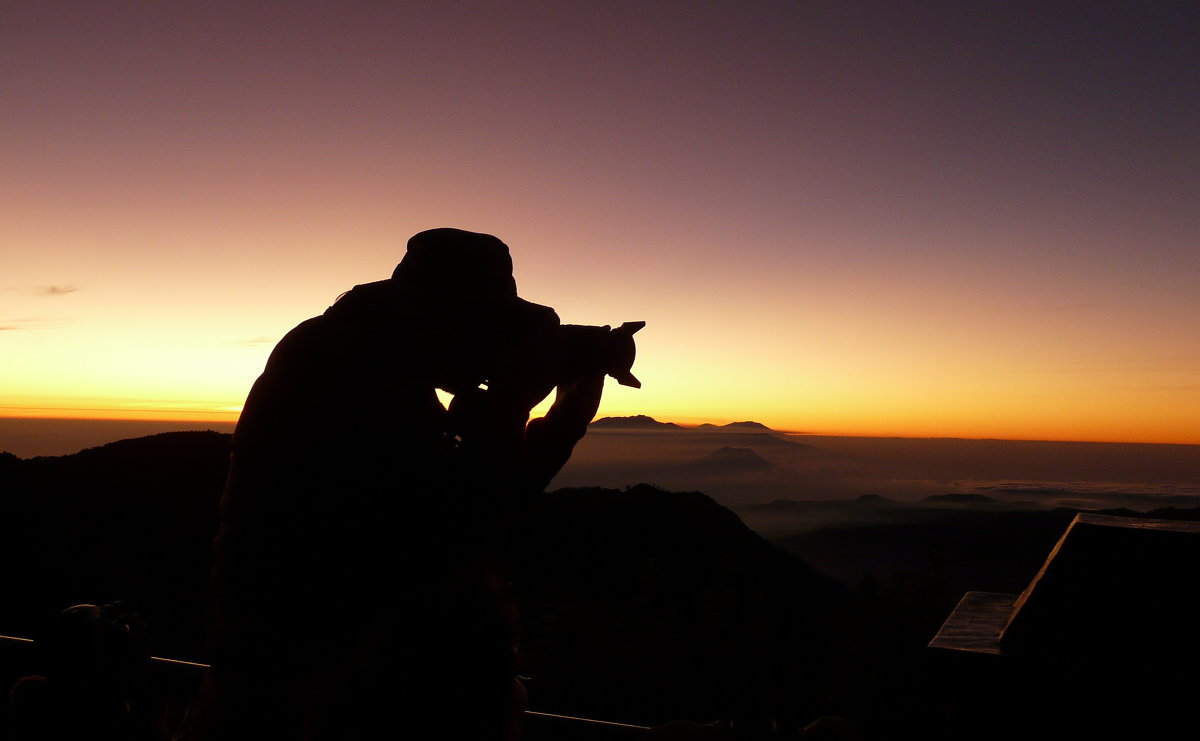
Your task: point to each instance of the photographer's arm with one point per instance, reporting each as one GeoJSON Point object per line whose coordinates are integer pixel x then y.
{"type": "Point", "coordinates": [550, 440]}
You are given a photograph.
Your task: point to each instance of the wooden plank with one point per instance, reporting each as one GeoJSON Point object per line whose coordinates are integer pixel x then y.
{"type": "Point", "coordinates": [976, 623]}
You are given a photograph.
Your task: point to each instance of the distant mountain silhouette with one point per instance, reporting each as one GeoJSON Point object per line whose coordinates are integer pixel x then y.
{"type": "Point", "coordinates": [787, 516]}
{"type": "Point", "coordinates": [637, 421]}
{"type": "Point", "coordinates": [756, 426]}
{"type": "Point", "coordinates": [728, 460]}
{"type": "Point", "coordinates": [763, 440]}
{"type": "Point", "coordinates": [864, 502]}
{"type": "Point", "coordinates": [875, 499]}
{"type": "Point", "coordinates": [642, 421]}
{"type": "Point", "coordinates": [739, 434]}
{"type": "Point", "coordinates": [617, 454]}
{"type": "Point", "coordinates": [978, 499]}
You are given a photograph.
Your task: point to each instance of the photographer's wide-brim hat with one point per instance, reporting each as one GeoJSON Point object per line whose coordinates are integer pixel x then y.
{"type": "Point", "coordinates": [465, 270]}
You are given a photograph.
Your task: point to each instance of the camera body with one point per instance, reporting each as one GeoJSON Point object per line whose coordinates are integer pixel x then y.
{"type": "Point", "coordinates": [586, 350]}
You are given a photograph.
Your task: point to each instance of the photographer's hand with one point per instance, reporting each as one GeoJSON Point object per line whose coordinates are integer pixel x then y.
{"type": "Point", "coordinates": [490, 422]}
{"type": "Point", "coordinates": [523, 373]}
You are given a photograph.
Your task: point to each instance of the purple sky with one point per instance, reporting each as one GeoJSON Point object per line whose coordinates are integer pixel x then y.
{"type": "Point", "coordinates": [936, 218]}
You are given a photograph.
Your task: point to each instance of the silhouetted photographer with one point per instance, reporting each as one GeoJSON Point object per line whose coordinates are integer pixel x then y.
{"type": "Point", "coordinates": [360, 574]}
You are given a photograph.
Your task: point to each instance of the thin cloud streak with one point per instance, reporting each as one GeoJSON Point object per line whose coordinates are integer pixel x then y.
{"type": "Point", "coordinates": [32, 323]}
{"type": "Point", "coordinates": [52, 289]}
{"type": "Point", "coordinates": [254, 341]}
{"type": "Point", "coordinates": [56, 290]}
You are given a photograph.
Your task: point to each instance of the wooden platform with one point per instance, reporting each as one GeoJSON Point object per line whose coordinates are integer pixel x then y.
{"type": "Point", "coordinates": [976, 623]}
{"type": "Point", "coordinates": [1103, 643]}
{"type": "Point", "coordinates": [1111, 587]}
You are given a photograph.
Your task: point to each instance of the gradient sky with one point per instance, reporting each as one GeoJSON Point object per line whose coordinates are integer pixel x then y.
{"type": "Point", "coordinates": [974, 219]}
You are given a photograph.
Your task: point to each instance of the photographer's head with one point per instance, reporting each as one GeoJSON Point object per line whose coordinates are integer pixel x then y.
{"type": "Point", "coordinates": [463, 282]}
{"type": "Point", "coordinates": [467, 272]}
{"type": "Point", "coordinates": [453, 264]}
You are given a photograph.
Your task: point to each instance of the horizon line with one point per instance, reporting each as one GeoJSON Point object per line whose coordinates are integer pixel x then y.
{"type": "Point", "coordinates": [232, 416]}
{"type": "Point", "coordinates": [211, 416]}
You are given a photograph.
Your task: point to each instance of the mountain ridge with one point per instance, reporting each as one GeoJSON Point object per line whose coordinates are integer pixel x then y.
{"type": "Point", "coordinates": [644, 421]}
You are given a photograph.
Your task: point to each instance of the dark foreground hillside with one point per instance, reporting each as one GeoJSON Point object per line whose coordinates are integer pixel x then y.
{"type": "Point", "coordinates": [646, 605]}
{"type": "Point", "coordinates": [131, 520]}
{"type": "Point", "coordinates": [639, 605]}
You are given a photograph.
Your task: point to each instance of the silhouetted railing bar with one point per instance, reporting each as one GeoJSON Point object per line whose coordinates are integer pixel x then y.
{"type": "Point", "coordinates": [178, 662]}
{"type": "Point", "coordinates": [593, 721]}
{"type": "Point", "coordinates": [181, 662]}
{"type": "Point", "coordinates": [197, 665]}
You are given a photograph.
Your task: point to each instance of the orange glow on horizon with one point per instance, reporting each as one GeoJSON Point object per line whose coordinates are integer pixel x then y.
{"type": "Point", "coordinates": [122, 414]}
{"type": "Point", "coordinates": [964, 429]}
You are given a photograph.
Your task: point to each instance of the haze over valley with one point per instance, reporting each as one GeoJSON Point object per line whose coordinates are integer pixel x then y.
{"type": "Point", "coordinates": [767, 475]}
{"type": "Point", "coordinates": [782, 482]}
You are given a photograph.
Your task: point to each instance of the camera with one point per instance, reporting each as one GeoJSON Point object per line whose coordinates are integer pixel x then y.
{"type": "Point", "coordinates": [586, 350]}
